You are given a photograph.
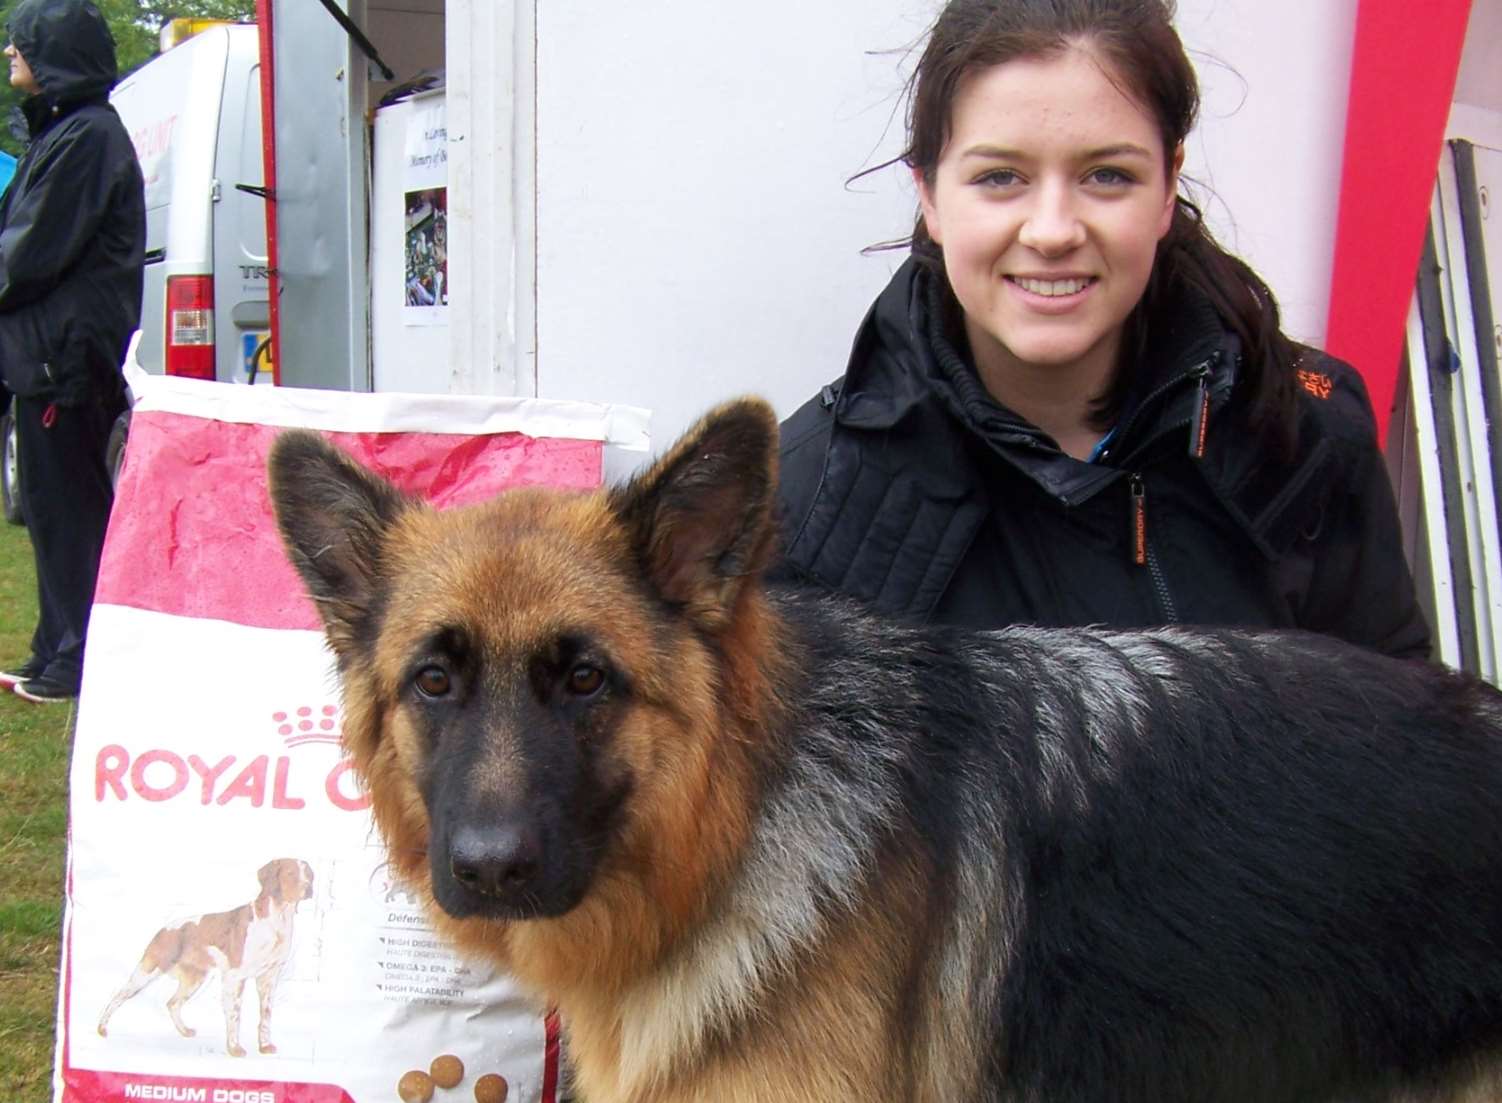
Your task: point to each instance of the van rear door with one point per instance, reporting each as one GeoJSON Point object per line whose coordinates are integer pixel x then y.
{"type": "Point", "coordinates": [194, 114]}
{"type": "Point", "coordinates": [241, 319]}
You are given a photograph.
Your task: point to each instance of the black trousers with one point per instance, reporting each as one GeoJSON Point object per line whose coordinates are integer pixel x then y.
{"type": "Point", "coordinates": [66, 495]}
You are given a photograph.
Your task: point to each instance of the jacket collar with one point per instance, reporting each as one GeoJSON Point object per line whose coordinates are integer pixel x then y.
{"type": "Point", "coordinates": [906, 355]}
{"type": "Point", "coordinates": [40, 114]}
{"type": "Point", "coordinates": [892, 368]}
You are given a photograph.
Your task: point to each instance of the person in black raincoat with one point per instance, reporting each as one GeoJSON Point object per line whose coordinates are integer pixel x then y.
{"type": "Point", "coordinates": [1071, 406]}
{"type": "Point", "coordinates": [72, 246]}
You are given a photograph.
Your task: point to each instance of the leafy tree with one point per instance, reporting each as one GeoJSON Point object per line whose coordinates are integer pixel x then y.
{"type": "Point", "coordinates": [136, 25]}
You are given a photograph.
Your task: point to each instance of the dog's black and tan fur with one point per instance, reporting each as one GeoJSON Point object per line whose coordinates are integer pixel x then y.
{"type": "Point", "coordinates": [758, 846]}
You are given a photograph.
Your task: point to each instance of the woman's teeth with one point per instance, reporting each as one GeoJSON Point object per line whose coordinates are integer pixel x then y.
{"type": "Point", "coordinates": [1052, 288]}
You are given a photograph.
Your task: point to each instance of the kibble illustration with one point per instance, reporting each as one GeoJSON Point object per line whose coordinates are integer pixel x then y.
{"type": "Point", "coordinates": [447, 1072]}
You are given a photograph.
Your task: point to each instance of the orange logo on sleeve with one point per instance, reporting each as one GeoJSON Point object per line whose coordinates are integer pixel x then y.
{"type": "Point", "coordinates": [1316, 383]}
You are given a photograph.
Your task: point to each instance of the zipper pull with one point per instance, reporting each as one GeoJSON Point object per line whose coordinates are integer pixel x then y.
{"type": "Point", "coordinates": [1200, 423]}
{"type": "Point", "coordinates": [1139, 522]}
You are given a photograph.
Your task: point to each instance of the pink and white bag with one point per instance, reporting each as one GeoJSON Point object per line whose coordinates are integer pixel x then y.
{"type": "Point", "coordinates": [217, 837]}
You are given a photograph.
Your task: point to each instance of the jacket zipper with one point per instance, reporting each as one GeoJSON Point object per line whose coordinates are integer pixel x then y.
{"type": "Point", "coordinates": [1142, 550]}
{"type": "Point", "coordinates": [1199, 423]}
{"type": "Point", "coordinates": [1139, 522]}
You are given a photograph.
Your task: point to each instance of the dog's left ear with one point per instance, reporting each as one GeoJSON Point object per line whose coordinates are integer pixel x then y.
{"type": "Point", "coordinates": [333, 516]}
{"type": "Point", "coordinates": [700, 518]}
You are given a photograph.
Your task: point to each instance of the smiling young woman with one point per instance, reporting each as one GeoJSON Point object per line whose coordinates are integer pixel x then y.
{"type": "Point", "coordinates": [1071, 406]}
{"type": "Point", "coordinates": [1049, 201]}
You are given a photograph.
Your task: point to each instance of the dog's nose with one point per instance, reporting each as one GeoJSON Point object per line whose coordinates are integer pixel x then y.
{"type": "Point", "coordinates": [495, 861]}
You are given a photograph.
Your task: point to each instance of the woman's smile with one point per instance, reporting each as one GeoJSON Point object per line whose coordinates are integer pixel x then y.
{"type": "Point", "coordinates": [1052, 294]}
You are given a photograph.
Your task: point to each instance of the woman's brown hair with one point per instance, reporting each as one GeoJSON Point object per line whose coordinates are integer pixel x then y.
{"type": "Point", "coordinates": [1136, 43]}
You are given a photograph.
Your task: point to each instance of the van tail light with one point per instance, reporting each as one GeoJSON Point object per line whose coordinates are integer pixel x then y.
{"type": "Point", "coordinates": [190, 326]}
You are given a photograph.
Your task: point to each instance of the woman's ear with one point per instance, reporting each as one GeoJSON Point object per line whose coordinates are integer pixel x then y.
{"type": "Point", "coordinates": [1171, 192]}
{"type": "Point", "coordinates": [927, 206]}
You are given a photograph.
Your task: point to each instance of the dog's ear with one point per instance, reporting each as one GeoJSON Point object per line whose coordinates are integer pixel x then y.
{"type": "Point", "coordinates": [333, 516]}
{"type": "Point", "coordinates": [267, 874]}
{"type": "Point", "coordinates": [700, 518]}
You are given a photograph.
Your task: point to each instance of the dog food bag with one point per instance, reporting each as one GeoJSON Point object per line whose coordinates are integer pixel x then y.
{"type": "Point", "coordinates": [232, 931]}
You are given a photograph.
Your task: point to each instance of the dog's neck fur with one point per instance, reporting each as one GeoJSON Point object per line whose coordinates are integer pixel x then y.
{"type": "Point", "coordinates": [269, 902]}
{"type": "Point", "coordinates": [769, 910]}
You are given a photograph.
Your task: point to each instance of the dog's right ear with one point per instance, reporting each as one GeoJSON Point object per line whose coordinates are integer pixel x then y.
{"type": "Point", "coordinates": [333, 516]}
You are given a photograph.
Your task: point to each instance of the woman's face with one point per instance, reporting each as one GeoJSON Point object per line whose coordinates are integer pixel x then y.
{"type": "Point", "coordinates": [21, 76]}
{"type": "Point", "coordinates": [1049, 202]}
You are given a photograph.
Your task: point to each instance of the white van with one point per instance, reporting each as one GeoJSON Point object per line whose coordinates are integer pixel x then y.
{"type": "Point", "coordinates": [194, 114]}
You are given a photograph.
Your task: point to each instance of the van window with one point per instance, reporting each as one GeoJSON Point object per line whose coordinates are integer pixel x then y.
{"type": "Point", "coordinates": [251, 216]}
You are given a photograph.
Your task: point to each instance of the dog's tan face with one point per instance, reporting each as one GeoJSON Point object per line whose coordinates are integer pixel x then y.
{"type": "Point", "coordinates": [503, 684]}
{"type": "Point", "coordinates": [529, 684]}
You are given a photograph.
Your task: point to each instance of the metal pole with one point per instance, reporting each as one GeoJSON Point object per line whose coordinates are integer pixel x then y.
{"type": "Point", "coordinates": [268, 169]}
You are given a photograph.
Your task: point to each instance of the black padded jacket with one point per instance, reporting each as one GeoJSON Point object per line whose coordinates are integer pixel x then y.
{"type": "Point", "coordinates": [73, 221]}
{"type": "Point", "coordinates": [905, 485]}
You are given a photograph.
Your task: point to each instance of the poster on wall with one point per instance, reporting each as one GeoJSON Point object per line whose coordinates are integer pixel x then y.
{"type": "Point", "coordinates": [425, 285]}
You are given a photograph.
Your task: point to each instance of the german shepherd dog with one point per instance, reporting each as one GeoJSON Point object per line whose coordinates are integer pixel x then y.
{"type": "Point", "coordinates": [757, 845]}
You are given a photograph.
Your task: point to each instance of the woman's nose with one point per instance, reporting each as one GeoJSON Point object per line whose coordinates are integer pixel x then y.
{"type": "Point", "coordinates": [1053, 225]}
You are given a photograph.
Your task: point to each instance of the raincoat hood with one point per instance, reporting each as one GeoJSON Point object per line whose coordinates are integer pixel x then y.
{"type": "Point", "coordinates": [68, 46]}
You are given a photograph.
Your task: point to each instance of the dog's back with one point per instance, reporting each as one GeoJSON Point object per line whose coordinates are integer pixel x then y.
{"type": "Point", "coordinates": [1168, 864]}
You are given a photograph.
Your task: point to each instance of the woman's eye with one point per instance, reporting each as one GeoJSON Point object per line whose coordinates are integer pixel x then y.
{"type": "Point", "coordinates": [585, 680]}
{"type": "Point", "coordinates": [1108, 177]}
{"type": "Point", "coordinates": [432, 681]}
{"type": "Point", "coordinates": [999, 178]}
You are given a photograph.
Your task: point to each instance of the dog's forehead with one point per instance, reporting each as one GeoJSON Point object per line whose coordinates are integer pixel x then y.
{"type": "Point", "coordinates": [512, 572]}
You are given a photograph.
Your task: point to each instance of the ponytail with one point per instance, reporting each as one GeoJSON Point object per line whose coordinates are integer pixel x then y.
{"type": "Point", "coordinates": [1189, 256]}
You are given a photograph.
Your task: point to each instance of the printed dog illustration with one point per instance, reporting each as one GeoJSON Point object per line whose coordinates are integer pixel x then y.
{"type": "Point", "coordinates": [252, 941]}
{"type": "Point", "coordinates": [759, 846]}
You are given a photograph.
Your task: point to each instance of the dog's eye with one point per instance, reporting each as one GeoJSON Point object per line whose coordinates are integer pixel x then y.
{"type": "Point", "coordinates": [432, 681]}
{"type": "Point", "coordinates": [585, 680]}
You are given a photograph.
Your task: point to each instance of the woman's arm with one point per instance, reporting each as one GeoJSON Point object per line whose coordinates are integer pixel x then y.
{"type": "Point", "coordinates": [1361, 588]}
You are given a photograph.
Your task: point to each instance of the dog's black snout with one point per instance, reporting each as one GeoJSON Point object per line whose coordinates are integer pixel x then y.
{"type": "Point", "coordinates": [495, 861]}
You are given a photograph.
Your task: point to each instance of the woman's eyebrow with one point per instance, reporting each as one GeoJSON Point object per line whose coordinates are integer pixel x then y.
{"type": "Point", "coordinates": [997, 153]}
{"type": "Point", "coordinates": [1003, 153]}
{"type": "Point", "coordinates": [1120, 149]}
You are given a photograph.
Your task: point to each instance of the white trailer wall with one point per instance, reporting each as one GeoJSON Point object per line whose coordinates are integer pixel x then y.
{"type": "Point", "coordinates": [695, 234]}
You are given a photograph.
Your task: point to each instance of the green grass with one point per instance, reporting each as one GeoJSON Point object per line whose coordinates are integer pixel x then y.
{"type": "Point", "coordinates": [34, 744]}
